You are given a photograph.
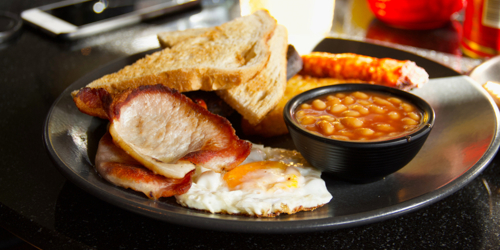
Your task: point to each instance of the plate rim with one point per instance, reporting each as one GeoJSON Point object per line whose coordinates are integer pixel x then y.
{"type": "Point", "coordinates": [298, 226]}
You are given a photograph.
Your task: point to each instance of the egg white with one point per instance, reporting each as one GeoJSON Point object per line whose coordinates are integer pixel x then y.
{"type": "Point", "coordinates": [210, 192]}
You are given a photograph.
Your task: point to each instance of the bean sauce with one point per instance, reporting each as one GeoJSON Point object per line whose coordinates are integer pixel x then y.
{"type": "Point", "coordinates": [359, 116]}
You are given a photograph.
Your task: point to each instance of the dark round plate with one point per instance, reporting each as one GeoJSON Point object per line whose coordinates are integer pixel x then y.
{"type": "Point", "coordinates": [461, 144]}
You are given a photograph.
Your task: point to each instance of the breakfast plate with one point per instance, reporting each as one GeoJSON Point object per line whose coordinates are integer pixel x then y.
{"type": "Point", "coordinates": [463, 141]}
{"type": "Point", "coordinates": [487, 71]}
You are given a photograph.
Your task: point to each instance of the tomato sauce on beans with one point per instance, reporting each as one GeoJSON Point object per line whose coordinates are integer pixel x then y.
{"type": "Point", "coordinates": [359, 115]}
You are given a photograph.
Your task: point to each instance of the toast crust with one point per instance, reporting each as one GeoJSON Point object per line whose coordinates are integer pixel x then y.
{"type": "Point", "coordinates": [170, 38]}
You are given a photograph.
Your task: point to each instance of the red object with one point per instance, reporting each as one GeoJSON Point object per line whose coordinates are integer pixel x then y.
{"type": "Point", "coordinates": [415, 14]}
{"type": "Point", "coordinates": [481, 37]}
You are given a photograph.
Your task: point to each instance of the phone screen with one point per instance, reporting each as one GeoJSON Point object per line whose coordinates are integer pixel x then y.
{"type": "Point", "coordinates": [92, 11]}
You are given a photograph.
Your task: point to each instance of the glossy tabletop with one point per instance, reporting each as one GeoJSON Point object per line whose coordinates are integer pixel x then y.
{"type": "Point", "coordinates": [39, 205]}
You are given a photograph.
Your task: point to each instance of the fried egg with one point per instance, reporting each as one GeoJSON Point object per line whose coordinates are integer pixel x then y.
{"type": "Point", "coordinates": [269, 182]}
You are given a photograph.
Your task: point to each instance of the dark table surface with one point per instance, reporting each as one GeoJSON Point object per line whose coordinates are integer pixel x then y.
{"type": "Point", "coordinates": [41, 207]}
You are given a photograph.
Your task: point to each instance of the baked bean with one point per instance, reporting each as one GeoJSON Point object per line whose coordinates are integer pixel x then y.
{"type": "Point", "coordinates": [364, 131]}
{"type": "Point", "coordinates": [333, 101]}
{"type": "Point", "coordinates": [337, 108]}
{"type": "Point", "coordinates": [393, 115]}
{"type": "Point", "coordinates": [305, 106]}
{"type": "Point", "coordinates": [351, 113]}
{"type": "Point", "coordinates": [347, 133]}
{"type": "Point", "coordinates": [362, 110]}
{"type": "Point", "coordinates": [351, 122]}
{"type": "Point", "coordinates": [409, 121]}
{"type": "Point", "coordinates": [307, 120]}
{"type": "Point", "coordinates": [327, 118]}
{"type": "Point", "coordinates": [384, 127]}
{"type": "Point", "coordinates": [394, 100]}
{"type": "Point", "coordinates": [340, 137]}
{"type": "Point", "coordinates": [407, 107]}
{"type": "Point", "coordinates": [381, 102]}
{"type": "Point", "coordinates": [300, 114]}
{"type": "Point", "coordinates": [348, 100]}
{"type": "Point", "coordinates": [360, 95]}
{"type": "Point", "coordinates": [364, 102]}
{"type": "Point", "coordinates": [414, 116]}
{"type": "Point", "coordinates": [359, 116]}
{"type": "Point", "coordinates": [318, 104]}
{"type": "Point", "coordinates": [338, 125]}
{"type": "Point", "coordinates": [325, 127]}
{"type": "Point", "coordinates": [377, 109]}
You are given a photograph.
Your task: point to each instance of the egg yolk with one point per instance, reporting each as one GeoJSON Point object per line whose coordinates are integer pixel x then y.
{"type": "Point", "coordinates": [268, 175]}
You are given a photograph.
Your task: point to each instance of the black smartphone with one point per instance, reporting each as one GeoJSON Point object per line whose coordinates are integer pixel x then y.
{"type": "Point", "coordinates": [74, 19]}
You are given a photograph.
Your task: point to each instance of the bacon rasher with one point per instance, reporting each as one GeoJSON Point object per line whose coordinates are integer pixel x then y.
{"type": "Point", "coordinates": [169, 134]}
{"type": "Point", "coordinates": [119, 168]}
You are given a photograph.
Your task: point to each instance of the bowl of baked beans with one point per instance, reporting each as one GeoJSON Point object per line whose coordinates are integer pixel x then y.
{"type": "Point", "coordinates": [358, 132]}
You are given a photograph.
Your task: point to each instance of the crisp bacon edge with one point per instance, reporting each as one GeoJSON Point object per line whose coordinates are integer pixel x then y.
{"type": "Point", "coordinates": [117, 167]}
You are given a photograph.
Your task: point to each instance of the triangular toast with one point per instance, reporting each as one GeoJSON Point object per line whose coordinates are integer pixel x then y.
{"type": "Point", "coordinates": [223, 57]}
{"type": "Point", "coordinates": [255, 98]}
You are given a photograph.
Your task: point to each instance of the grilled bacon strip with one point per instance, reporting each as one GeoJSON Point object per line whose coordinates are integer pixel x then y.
{"type": "Point", "coordinates": [89, 101]}
{"type": "Point", "coordinates": [169, 134]}
{"type": "Point", "coordinates": [394, 73]}
{"type": "Point", "coordinates": [117, 167]}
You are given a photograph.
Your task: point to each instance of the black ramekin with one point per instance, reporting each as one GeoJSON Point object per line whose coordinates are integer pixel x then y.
{"type": "Point", "coordinates": [358, 161]}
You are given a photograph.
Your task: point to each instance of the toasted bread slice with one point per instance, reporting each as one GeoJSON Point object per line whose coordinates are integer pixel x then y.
{"type": "Point", "coordinates": [257, 97]}
{"type": "Point", "coordinates": [170, 38]}
{"type": "Point", "coordinates": [220, 58]}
